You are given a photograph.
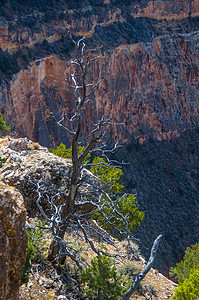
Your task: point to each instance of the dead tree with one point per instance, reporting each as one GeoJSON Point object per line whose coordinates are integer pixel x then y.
{"type": "Point", "coordinates": [68, 212]}
{"type": "Point", "coordinates": [61, 217]}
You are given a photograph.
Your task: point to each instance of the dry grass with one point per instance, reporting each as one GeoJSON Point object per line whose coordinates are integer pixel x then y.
{"type": "Point", "coordinates": [47, 282]}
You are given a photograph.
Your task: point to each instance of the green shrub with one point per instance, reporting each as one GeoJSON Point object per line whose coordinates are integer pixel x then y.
{"type": "Point", "coordinates": [187, 274]}
{"type": "Point", "coordinates": [186, 266]}
{"type": "Point", "coordinates": [3, 126]}
{"type": "Point", "coordinates": [109, 177]}
{"type": "Point", "coordinates": [132, 249]}
{"type": "Point", "coordinates": [127, 206]}
{"type": "Point", "coordinates": [2, 160]}
{"type": "Point", "coordinates": [36, 247]}
{"type": "Point", "coordinates": [130, 270]}
{"type": "Point", "coordinates": [28, 265]}
{"type": "Point", "coordinates": [189, 289]}
{"type": "Point", "coordinates": [62, 151]}
{"type": "Point", "coordinates": [102, 280]}
{"type": "Point", "coordinates": [149, 288]}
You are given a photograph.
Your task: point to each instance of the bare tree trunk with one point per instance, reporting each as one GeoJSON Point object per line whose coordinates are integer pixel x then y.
{"type": "Point", "coordinates": [54, 249]}
{"type": "Point", "coordinates": [149, 265]}
{"type": "Point", "coordinates": [77, 160]}
{"type": "Point", "coordinates": [83, 91]}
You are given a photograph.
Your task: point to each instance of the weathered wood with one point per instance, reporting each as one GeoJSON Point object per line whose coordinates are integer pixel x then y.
{"type": "Point", "coordinates": [149, 265]}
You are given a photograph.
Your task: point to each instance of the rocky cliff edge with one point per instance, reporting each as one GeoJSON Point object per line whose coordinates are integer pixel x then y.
{"type": "Point", "coordinates": [26, 163]}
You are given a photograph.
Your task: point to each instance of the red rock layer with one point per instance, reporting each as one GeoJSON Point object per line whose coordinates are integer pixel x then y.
{"type": "Point", "coordinates": [168, 9]}
{"type": "Point", "coordinates": [22, 35]}
{"type": "Point", "coordinates": [150, 88]}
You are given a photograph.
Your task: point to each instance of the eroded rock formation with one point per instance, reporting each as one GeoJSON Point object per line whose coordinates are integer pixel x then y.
{"type": "Point", "coordinates": [35, 25]}
{"type": "Point", "coordinates": [28, 163]}
{"type": "Point", "coordinates": [152, 88]}
{"type": "Point", "coordinates": [161, 9]}
{"type": "Point", "coordinates": [13, 241]}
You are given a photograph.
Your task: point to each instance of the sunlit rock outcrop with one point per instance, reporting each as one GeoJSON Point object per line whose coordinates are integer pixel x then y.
{"type": "Point", "coordinates": [161, 9]}
{"type": "Point", "coordinates": [28, 163]}
{"type": "Point", "coordinates": [13, 241]}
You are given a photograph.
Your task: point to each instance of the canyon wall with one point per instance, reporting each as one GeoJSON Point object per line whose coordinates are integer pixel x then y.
{"type": "Point", "coordinates": [151, 88]}
{"type": "Point", "coordinates": [22, 27]}
{"type": "Point", "coordinates": [32, 29]}
{"type": "Point", "coordinates": [168, 9]}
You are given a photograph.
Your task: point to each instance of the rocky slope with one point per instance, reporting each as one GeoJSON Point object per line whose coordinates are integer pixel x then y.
{"type": "Point", "coordinates": [47, 282]}
{"type": "Point", "coordinates": [26, 164]}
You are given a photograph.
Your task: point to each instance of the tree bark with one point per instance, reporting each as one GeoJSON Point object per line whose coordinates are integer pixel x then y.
{"type": "Point", "coordinates": [149, 265]}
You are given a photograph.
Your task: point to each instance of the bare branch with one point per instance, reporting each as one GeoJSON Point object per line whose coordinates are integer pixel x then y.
{"type": "Point", "coordinates": [61, 125]}
{"type": "Point", "coordinates": [73, 62]}
{"type": "Point", "coordinates": [94, 58]}
{"type": "Point", "coordinates": [149, 265]}
{"type": "Point", "coordinates": [76, 88]}
{"type": "Point", "coordinates": [78, 43]}
{"type": "Point", "coordinates": [85, 235]}
{"type": "Point", "coordinates": [93, 87]}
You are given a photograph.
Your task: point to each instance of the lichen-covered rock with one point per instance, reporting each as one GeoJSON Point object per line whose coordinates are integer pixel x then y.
{"type": "Point", "coordinates": [29, 164]}
{"type": "Point", "coordinates": [13, 241]}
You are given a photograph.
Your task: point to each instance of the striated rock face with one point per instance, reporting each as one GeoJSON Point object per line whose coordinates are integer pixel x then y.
{"type": "Point", "coordinates": [161, 9]}
{"type": "Point", "coordinates": [152, 88]}
{"type": "Point", "coordinates": [30, 26]}
{"type": "Point", "coordinates": [29, 101]}
{"type": "Point", "coordinates": [13, 241]}
{"type": "Point", "coordinates": [35, 27]}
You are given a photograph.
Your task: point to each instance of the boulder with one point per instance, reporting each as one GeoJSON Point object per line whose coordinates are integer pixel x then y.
{"type": "Point", "coordinates": [13, 241]}
{"type": "Point", "coordinates": [29, 166]}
